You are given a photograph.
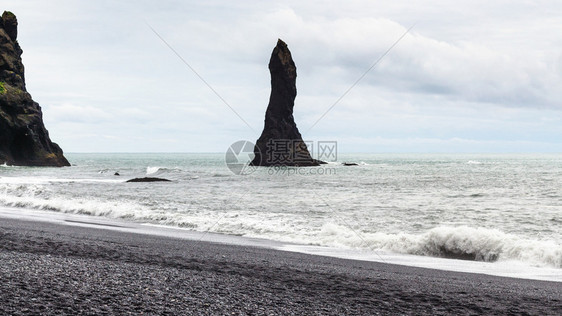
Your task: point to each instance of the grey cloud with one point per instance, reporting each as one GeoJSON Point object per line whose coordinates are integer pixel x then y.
{"type": "Point", "coordinates": [495, 57]}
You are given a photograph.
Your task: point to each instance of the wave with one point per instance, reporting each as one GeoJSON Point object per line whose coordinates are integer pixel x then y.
{"type": "Point", "coordinates": [153, 170]}
{"type": "Point", "coordinates": [46, 180]}
{"type": "Point", "coordinates": [474, 162]}
{"type": "Point", "coordinates": [463, 242]}
{"type": "Point", "coordinates": [161, 170]}
{"type": "Point", "coordinates": [39, 197]}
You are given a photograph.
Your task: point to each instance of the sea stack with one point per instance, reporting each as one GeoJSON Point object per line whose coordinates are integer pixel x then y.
{"type": "Point", "coordinates": [24, 140]}
{"type": "Point", "coordinates": [281, 143]}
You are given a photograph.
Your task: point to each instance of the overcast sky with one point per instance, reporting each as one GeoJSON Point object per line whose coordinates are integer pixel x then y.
{"type": "Point", "coordinates": [471, 76]}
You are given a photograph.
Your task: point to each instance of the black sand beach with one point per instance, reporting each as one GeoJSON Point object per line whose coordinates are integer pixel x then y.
{"type": "Point", "coordinates": [52, 269]}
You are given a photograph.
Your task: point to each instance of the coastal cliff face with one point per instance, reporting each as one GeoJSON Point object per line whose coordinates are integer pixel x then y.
{"type": "Point", "coordinates": [24, 140]}
{"type": "Point", "coordinates": [281, 143]}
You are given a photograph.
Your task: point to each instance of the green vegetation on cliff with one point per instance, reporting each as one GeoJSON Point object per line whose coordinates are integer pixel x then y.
{"type": "Point", "coordinates": [2, 89]}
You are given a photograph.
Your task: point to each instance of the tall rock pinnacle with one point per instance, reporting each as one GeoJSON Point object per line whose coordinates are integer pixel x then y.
{"type": "Point", "coordinates": [24, 141]}
{"type": "Point", "coordinates": [281, 143]}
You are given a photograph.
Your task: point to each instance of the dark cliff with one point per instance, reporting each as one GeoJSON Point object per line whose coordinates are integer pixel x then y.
{"type": "Point", "coordinates": [24, 140]}
{"type": "Point", "coordinates": [281, 143]}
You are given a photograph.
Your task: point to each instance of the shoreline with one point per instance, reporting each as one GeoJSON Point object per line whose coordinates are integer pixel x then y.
{"type": "Point", "coordinates": [50, 268]}
{"type": "Point", "coordinates": [511, 269]}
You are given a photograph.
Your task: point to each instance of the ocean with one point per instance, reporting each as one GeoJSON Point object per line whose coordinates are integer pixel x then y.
{"type": "Point", "coordinates": [500, 210]}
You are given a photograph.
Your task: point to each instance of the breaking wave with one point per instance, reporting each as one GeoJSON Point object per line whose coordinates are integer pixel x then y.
{"type": "Point", "coordinates": [161, 170]}
{"type": "Point", "coordinates": [463, 242]}
{"type": "Point", "coordinates": [38, 197]}
{"type": "Point", "coordinates": [153, 170]}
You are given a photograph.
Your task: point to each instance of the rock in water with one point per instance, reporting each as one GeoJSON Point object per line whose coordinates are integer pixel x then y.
{"type": "Point", "coordinates": [148, 179]}
{"type": "Point", "coordinates": [24, 141]}
{"type": "Point", "coordinates": [280, 143]}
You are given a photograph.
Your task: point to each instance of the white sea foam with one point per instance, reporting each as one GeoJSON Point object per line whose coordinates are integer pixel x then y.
{"type": "Point", "coordinates": [428, 207]}
{"type": "Point", "coordinates": [449, 242]}
{"type": "Point", "coordinates": [461, 242]}
{"type": "Point", "coordinates": [46, 180]}
{"type": "Point", "coordinates": [37, 197]}
{"type": "Point", "coordinates": [160, 170]}
{"type": "Point", "coordinates": [474, 162]}
{"type": "Point", "coordinates": [152, 170]}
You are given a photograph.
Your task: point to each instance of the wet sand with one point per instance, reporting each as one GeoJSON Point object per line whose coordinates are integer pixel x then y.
{"type": "Point", "coordinates": [53, 269]}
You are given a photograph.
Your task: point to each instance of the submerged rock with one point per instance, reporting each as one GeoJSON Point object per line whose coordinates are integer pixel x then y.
{"type": "Point", "coordinates": [24, 140]}
{"type": "Point", "coordinates": [148, 179]}
{"type": "Point", "coordinates": [281, 143]}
